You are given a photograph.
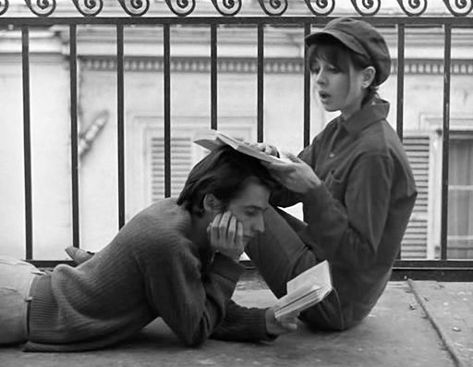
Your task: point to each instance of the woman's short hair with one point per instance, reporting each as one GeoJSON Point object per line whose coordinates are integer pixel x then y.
{"type": "Point", "coordinates": [224, 173]}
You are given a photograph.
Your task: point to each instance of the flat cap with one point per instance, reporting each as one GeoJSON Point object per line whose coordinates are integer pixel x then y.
{"type": "Point", "coordinates": [360, 37]}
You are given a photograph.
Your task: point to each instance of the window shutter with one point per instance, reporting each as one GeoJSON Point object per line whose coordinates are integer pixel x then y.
{"type": "Point", "coordinates": [181, 162]}
{"type": "Point", "coordinates": [414, 243]}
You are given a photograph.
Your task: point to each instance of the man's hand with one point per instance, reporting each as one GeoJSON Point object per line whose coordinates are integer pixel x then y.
{"type": "Point", "coordinates": [295, 174]}
{"type": "Point", "coordinates": [284, 325]}
{"type": "Point", "coordinates": [226, 235]}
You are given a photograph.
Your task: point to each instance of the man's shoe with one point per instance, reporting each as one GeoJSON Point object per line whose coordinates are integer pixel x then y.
{"type": "Point", "coordinates": [78, 255]}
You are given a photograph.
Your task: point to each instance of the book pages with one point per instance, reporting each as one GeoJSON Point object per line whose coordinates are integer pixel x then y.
{"type": "Point", "coordinates": [305, 290]}
{"type": "Point", "coordinates": [212, 139]}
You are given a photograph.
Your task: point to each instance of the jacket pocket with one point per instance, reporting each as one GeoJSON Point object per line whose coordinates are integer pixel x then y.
{"type": "Point", "coordinates": [335, 186]}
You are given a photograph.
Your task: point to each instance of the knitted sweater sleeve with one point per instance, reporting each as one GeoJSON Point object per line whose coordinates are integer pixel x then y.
{"type": "Point", "coordinates": [244, 324]}
{"type": "Point", "coordinates": [191, 303]}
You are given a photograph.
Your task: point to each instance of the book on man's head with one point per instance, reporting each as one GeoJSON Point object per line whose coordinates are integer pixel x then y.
{"type": "Point", "coordinates": [305, 290]}
{"type": "Point", "coordinates": [211, 139]}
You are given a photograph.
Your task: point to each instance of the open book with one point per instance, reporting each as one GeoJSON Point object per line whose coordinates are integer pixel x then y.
{"type": "Point", "coordinates": [305, 290]}
{"type": "Point", "coordinates": [212, 139]}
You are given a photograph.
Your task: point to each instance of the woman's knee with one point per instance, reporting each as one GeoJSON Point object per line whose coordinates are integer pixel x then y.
{"type": "Point", "coordinates": [317, 321]}
{"type": "Point", "coordinates": [326, 315]}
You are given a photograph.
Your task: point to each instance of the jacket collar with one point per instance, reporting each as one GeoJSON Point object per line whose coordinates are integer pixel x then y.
{"type": "Point", "coordinates": [372, 112]}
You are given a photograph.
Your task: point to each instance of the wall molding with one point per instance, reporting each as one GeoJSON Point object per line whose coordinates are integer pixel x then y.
{"type": "Point", "coordinates": [249, 65]}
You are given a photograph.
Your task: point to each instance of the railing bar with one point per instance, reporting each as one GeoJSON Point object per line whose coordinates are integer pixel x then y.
{"type": "Point", "coordinates": [27, 142]}
{"type": "Point", "coordinates": [434, 263]}
{"type": "Point", "coordinates": [74, 135]}
{"type": "Point", "coordinates": [421, 265]}
{"type": "Point", "coordinates": [445, 140]}
{"type": "Point", "coordinates": [213, 76]}
{"type": "Point", "coordinates": [120, 126]}
{"type": "Point", "coordinates": [400, 80]}
{"type": "Point", "coordinates": [167, 110]}
{"type": "Point", "coordinates": [458, 21]}
{"type": "Point", "coordinates": [400, 90]}
{"type": "Point", "coordinates": [307, 96]}
{"type": "Point", "coordinates": [260, 83]}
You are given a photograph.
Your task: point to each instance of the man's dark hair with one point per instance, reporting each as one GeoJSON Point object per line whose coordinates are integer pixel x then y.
{"type": "Point", "coordinates": [224, 173]}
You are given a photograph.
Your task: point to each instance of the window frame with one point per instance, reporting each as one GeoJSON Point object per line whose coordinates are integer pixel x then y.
{"type": "Point", "coordinates": [432, 125]}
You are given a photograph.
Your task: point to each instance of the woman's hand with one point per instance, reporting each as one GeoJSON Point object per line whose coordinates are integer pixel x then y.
{"type": "Point", "coordinates": [285, 324]}
{"type": "Point", "coordinates": [294, 174]}
{"type": "Point", "coordinates": [226, 235]}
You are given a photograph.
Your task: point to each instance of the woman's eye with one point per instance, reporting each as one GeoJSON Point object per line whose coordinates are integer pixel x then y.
{"type": "Point", "coordinates": [333, 69]}
{"type": "Point", "coordinates": [313, 68]}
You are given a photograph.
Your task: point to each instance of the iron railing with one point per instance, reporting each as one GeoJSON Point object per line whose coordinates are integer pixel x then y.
{"type": "Point", "coordinates": [45, 13]}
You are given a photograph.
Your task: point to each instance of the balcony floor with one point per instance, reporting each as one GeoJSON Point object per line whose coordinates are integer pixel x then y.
{"type": "Point", "coordinates": [421, 323]}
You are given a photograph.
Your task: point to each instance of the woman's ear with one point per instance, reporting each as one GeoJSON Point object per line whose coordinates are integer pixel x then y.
{"type": "Point", "coordinates": [369, 74]}
{"type": "Point", "coordinates": [212, 204]}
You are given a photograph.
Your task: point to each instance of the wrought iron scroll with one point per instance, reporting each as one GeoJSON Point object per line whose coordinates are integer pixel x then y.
{"type": "Point", "coordinates": [3, 6]}
{"type": "Point", "coordinates": [229, 7]}
{"type": "Point", "coordinates": [275, 8]}
{"type": "Point", "coordinates": [182, 8]}
{"type": "Point", "coordinates": [321, 7]}
{"type": "Point", "coordinates": [461, 7]}
{"type": "Point", "coordinates": [413, 7]}
{"type": "Point", "coordinates": [42, 8]}
{"type": "Point", "coordinates": [89, 8]}
{"type": "Point", "coordinates": [135, 8]}
{"type": "Point", "coordinates": [366, 7]}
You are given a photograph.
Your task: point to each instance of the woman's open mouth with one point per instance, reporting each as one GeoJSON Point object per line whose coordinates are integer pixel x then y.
{"type": "Point", "coordinates": [324, 96]}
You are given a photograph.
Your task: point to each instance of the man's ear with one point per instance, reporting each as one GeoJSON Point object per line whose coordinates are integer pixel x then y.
{"type": "Point", "coordinates": [369, 74]}
{"type": "Point", "coordinates": [212, 204]}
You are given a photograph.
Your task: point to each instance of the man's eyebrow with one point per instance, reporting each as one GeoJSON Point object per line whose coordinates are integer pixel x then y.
{"type": "Point", "coordinates": [252, 206]}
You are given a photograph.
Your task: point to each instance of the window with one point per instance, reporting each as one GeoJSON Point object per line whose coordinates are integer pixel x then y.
{"type": "Point", "coordinates": [460, 187]}
{"type": "Point", "coordinates": [145, 154]}
{"type": "Point", "coordinates": [184, 155]}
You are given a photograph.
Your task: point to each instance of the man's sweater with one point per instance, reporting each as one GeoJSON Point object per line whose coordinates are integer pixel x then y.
{"type": "Point", "coordinates": [150, 269]}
